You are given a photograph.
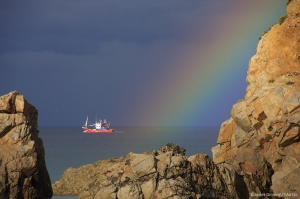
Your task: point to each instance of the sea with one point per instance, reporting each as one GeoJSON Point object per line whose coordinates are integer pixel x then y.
{"type": "Point", "coordinates": [67, 147]}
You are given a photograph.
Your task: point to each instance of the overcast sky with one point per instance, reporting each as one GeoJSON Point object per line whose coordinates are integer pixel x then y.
{"type": "Point", "coordinates": [76, 58]}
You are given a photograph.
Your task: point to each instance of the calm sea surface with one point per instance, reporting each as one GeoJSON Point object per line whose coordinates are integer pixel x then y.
{"type": "Point", "coordinates": [69, 147]}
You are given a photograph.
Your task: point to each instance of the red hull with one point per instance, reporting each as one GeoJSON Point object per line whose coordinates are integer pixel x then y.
{"type": "Point", "coordinates": [87, 130]}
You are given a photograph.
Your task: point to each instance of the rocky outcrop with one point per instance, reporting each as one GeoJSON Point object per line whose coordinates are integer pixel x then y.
{"type": "Point", "coordinates": [23, 172]}
{"type": "Point", "coordinates": [166, 173]}
{"type": "Point", "coordinates": [259, 146]}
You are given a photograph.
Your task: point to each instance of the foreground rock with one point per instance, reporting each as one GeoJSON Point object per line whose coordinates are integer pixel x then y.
{"type": "Point", "coordinates": [23, 172]}
{"type": "Point", "coordinates": [259, 145]}
{"type": "Point", "coordinates": [166, 173]}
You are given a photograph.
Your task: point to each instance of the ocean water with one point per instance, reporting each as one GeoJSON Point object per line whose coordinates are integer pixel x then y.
{"type": "Point", "coordinates": [69, 147]}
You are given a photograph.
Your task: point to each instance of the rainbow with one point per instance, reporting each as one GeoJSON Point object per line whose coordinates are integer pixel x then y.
{"type": "Point", "coordinates": [205, 72]}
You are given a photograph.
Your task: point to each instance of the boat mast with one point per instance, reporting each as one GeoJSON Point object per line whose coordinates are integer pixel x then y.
{"type": "Point", "coordinates": [86, 122]}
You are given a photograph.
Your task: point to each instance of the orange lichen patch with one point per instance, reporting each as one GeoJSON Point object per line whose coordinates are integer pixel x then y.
{"type": "Point", "coordinates": [248, 168]}
{"type": "Point", "coordinates": [266, 146]}
{"type": "Point", "coordinates": [160, 164]}
{"type": "Point", "coordinates": [127, 170]}
{"type": "Point", "coordinates": [296, 148]}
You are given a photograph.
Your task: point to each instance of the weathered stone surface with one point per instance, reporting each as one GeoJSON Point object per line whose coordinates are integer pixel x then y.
{"type": "Point", "coordinates": [23, 173]}
{"type": "Point", "coordinates": [276, 62]}
{"type": "Point", "coordinates": [143, 165]}
{"type": "Point", "coordinates": [161, 174]}
{"type": "Point", "coordinates": [226, 131]}
{"type": "Point", "coordinates": [261, 153]}
{"type": "Point", "coordinates": [240, 116]}
{"type": "Point", "coordinates": [170, 147]}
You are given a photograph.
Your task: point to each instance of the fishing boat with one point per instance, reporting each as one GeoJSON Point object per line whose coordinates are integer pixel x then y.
{"type": "Point", "coordinates": [99, 127]}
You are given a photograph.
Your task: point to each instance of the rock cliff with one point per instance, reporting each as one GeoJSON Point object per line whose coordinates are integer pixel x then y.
{"type": "Point", "coordinates": [258, 151]}
{"type": "Point", "coordinates": [166, 173]}
{"type": "Point", "coordinates": [259, 144]}
{"type": "Point", "coordinates": [23, 172]}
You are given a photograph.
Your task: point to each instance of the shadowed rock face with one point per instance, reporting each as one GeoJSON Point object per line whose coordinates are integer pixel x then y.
{"type": "Point", "coordinates": [23, 172]}
{"type": "Point", "coordinates": [165, 173]}
{"type": "Point", "coordinates": [259, 144]}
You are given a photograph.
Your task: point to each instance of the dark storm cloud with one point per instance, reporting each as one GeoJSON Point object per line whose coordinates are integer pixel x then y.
{"type": "Point", "coordinates": [73, 58]}
{"type": "Point", "coordinates": [81, 27]}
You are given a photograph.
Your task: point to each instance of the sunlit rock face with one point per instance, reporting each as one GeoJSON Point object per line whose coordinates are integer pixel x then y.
{"type": "Point", "coordinates": [259, 145]}
{"type": "Point", "coordinates": [23, 173]}
{"type": "Point", "coordinates": [165, 173]}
